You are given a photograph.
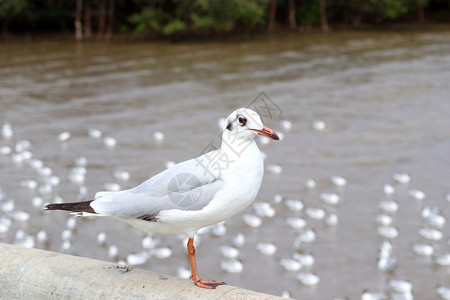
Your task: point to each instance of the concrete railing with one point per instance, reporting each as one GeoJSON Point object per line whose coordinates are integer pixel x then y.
{"type": "Point", "coordinates": [38, 274]}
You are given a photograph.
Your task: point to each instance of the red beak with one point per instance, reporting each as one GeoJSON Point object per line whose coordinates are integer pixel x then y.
{"type": "Point", "coordinates": [267, 132]}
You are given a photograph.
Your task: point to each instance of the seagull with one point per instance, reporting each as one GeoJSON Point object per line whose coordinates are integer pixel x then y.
{"type": "Point", "coordinates": [192, 194]}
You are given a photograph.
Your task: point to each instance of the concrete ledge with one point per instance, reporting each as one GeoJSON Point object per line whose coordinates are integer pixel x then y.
{"type": "Point", "coordinates": [38, 274]}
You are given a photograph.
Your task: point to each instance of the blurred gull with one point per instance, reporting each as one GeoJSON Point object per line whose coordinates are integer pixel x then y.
{"type": "Point", "coordinates": [29, 184]}
{"type": "Point", "coordinates": [388, 206]}
{"type": "Point", "coordinates": [319, 125]}
{"type": "Point", "coordinates": [308, 278]}
{"type": "Point", "coordinates": [286, 125]}
{"type": "Point", "coordinates": [45, 189]}
{"type": "Point", "coordinates": [232, 266]}
{"type": "Point", "coordinates": [338, 181]}
{"type": "Point", "coordinates": [386, 262]}
{"type": "Point", "coordinates": [222, 123]}
{"type": "Point", "coordinates": [305, 259]}
{"type": "Point", "coordinates": [443, 292]}
{"type": "Point", "coordinates": [5, 150]}
{"type": "Point", "coordinates": [228, 251]}
{"type": "Point", "coordinates": [22, 145]}
{"type": "Point", "coordinates": [266, 248]}
{"type": "Point", "coordinates": [64, 136]}
{"type": "Point", "coordinates": [121, 175]}
{"type": "Point", "coordinates": [263, 209]}
{"type": "Point", "coordinates": [58, 199]}
{"type": "Point", "coordinates": [310, 184]}
{"type": "Point", "coordinates": [53, 180]}
{"type": "Point", "coordinates": [5, 224]}
{"type": "Point", "coordinates": [45, 171]}
{"type": "Point", "coordinates": [263, 141]}
{"type": "Point", "coordinates": [402, 178]}
{"type": "Point", "coordinates": [384, 220]}
{"type": "Point", "coordinates": [423, 249]}
{"type": "Point", "coordinates": [66, 247]}
{"type": "Point", "coordinates": [82, 193]}
{"type": "Point", "coordinates": [158, 136]}
{"type": "Point", "coordinates": [66, 235]}
{"type": "Point", "coordinates": [42, 236]}
{"type": "Point", "coordinates": [277, 199]}
{"type": "Point", "coordinates": [431, 234]}
{"type": "Point", "coordinates": [331, 220]}
{"type": "Point", "coordinates": [163, 252]}
{"type": "Point", "coordinates": [388, 232]}
{"type": "Point", "coordinates": [434, 217]}
{"type": "Point", "coordinates": [7, 131]}
{"type": "Point", "coordinates": [218, 229]}
{"type": "Point", "coordinates": [442, 260]}
{"type": "Point", "coordinates": [94, 133]}
{"type": "Point", "coordinates": [183, 273]}
{"type": "Point", "coordinates": [71, 223]}
{"type": "Point", "coordinates": [373, 296]}
{"type": "Point", "coordinates": [169, 164]}
{"type": "Point", "coordinates": [150, 241]}
{"type": "Point", "coordinates": [307, 236]}
{"type": "Point", "coordinates": [81, 162]}
{"type": "Point", "coordinates": [20, 216]}
{"type": "Point", "coordinates": [101, 238]}
{"type": "Point", "coordinates": [36, 163]}
{"type": "Point", "coordinates": [139, 258]}
{"type": "Point", "coordinates": [252, 220]}
{"type": "Point", "coordinates": [161, 204]}
{"type": "Point", "coordinates": [77, 175]}
{"type": "Point", "coordinates": [111, 186]}
{"type": "Point", "coordinates": [296, 223]}
{"type": "Point", "coordinates": [110, 142]}
{"type": "Point", "coordinates": [417, 194]}
{"type": "Point", "coordinates": [239, 240]}
{"type": "Point", "coordinates": [388, 189]}
{"type": "Point", "coordinates": [286, 294]}
{"type": "Point", "coordinates": [113, 252]}
{"type": "Point", "coordinates": [24, 240]}
{"type": "Point", "coordinates": [274, 169]}
{"type": "Point", "coordinates": [315, 213]}
{"type": "Point", "coordinates": [290, 264]}
{"type": "Point", "coordinates": [7, 206]}
{"type": "Point", "coordinates": [330, 198]}
{"type": "Point", "coordinates": [400, 286]}
{"type": "Point", "coordinates": [294, 204]}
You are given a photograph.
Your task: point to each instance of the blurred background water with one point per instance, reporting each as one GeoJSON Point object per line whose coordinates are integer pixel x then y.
{"type": "Point", "coordinates": [369, 108]}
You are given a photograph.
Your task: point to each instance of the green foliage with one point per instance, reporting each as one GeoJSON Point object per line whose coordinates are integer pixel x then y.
{"type": "Point", "coordinates": [187, 17]}
{"type": "Point", "coordinates": [148, 20]}
{"type": "Point", "coordinates": [308, 13]}
{"type": "Point", "coordinates": [174, 27]}
{"type": "Point", "coordinates": [200, 16]}
{"type": "Point", "coordinates": [11, 9]}
{"type": "Point", "coordinates": [388, 8]}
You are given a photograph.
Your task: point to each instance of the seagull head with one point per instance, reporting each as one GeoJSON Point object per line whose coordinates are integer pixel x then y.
{"type": "Point", "coordinates": [246, 124]}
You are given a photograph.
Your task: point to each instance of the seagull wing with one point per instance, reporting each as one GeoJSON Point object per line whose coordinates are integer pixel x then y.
{"type": "Point", "coordinates": [189, 185]}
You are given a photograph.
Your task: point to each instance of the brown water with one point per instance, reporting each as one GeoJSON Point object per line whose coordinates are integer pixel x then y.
{"type": "Point", "coordinates": [384, 97]}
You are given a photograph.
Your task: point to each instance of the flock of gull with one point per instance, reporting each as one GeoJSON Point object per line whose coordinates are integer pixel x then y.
{"type": "Point", "coordinates": [300, 264]}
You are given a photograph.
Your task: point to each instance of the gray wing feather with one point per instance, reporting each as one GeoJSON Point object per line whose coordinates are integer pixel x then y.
{"type": "Point", "coordinates": [189, 185]}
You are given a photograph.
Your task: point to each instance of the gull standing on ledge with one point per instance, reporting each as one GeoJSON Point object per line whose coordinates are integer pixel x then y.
{"type": "Point", "coordinates": [192, 194]}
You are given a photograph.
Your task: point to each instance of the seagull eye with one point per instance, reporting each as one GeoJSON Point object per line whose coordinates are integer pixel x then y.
{"type": "Point", "coordinates": [242, 120]}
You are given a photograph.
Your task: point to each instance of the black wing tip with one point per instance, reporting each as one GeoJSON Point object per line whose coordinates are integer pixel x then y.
{"type": "Point", "coordinates": [51, 207]}
{"type": "Point", "coordinates": [73, 207]}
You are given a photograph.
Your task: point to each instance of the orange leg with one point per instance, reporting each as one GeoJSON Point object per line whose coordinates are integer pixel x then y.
{"type": "Point", "coordinates": [207, 284]}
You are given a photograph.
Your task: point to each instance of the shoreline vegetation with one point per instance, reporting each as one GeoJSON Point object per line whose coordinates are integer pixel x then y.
{"type": "Point", "coordinates": [179, 20]}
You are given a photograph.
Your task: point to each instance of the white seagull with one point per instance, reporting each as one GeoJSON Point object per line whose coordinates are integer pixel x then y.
{"type": "Point", "coordinates": [192, 194]}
